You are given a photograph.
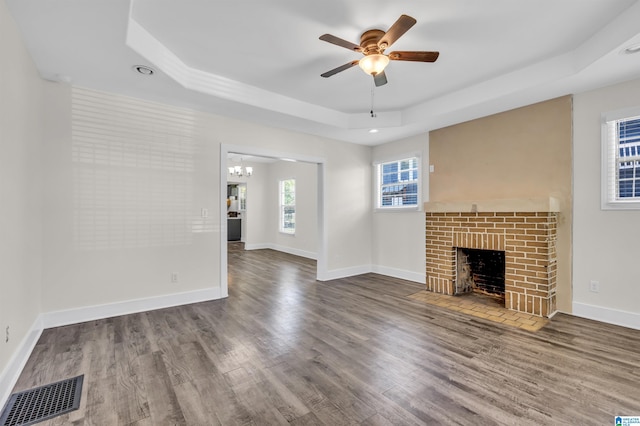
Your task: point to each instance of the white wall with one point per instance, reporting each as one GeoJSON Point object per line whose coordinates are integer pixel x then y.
{"type": "Point", "coordinates": [255, 218]}
{"type": "Point", "coordinates": [348, 208]}
{"type": "Point", "coordinates": [605, 243]}
{"type": "Point", "coordinates": [21, 133]}
{"type": "Point", "coordinates": [100, 269]}
{"type": "Point", "coordinates": [399, 236]}
{"type": "Point", "coordinates": [304, 242]}
{"type": "Point", "coordinates": [124, 208]}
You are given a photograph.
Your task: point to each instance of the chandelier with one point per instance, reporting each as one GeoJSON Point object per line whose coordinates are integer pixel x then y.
{"type": "Point", "coordinates": [240, 171]}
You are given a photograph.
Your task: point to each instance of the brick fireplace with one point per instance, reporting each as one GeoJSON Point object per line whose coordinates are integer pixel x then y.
{"type": "Point", "coordinates": [526, 230]}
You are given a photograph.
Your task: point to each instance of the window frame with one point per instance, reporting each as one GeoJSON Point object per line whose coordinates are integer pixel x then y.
{"type": "Point", "coordinates": [242, 197]}
{"type": "Point", "coordinates": [609, 171]}
{"type": "Point", "coordinates": [282, 206]}
{"type": "Point", "coordinates": [378, 183]}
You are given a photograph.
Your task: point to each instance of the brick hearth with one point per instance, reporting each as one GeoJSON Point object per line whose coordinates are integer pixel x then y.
{"type": "Point", "coordinates": [527, 238]}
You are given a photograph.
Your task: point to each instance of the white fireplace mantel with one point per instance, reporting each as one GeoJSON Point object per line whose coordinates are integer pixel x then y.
{"type": "Point", "coordinates": [539, 204]}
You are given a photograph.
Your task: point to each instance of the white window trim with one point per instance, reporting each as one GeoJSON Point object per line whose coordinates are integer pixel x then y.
{"type": "Point", "coordinates": [281, 204]}
{"type": "Point", "coordinates": [377, 183]}
{"type": "Point", "coordinates": [242, 201]}
{"type": "Point", "coordinates": [608, 163]}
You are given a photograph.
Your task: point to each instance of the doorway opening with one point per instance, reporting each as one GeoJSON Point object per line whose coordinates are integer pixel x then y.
{"type": "Point", "coordinates": [321, 238]}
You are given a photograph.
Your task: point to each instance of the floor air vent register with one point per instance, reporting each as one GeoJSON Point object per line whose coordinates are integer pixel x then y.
{"type": "Point", "coordinates": [42, 403]}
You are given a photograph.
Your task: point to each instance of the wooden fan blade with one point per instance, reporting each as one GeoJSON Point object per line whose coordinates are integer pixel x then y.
{"type": "Point", "coordinates": [399, 27]}
{"type": "Point", "coordinates": [380, 79]}
{"type": "Point", "coordinates": [339, 69]}
{"type": "Point", "coordinates": [414, 56]}
{"type": "Point", "coordinates": [340, 42]}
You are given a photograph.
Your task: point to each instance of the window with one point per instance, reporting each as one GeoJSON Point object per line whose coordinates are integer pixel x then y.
{"type": "Point", "coordinates": [621, 161]}
{"type": "Point", "coordinates": [398, 184]}
{"type": "Point", "coordinates": [288, 206]}
{"type": "Point", "coordinates": [242, 197]}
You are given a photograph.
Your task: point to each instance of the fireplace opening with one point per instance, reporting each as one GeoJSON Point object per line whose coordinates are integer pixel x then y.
{"type": "Point", "coordinates": [480, 271]}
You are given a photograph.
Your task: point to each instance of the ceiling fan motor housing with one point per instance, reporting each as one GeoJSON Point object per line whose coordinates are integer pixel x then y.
{"type": "Point", "coordinates": [369, 42]}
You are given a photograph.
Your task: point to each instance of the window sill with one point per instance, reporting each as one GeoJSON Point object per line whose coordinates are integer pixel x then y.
{"type": "Point", "coordinates": [397, 209]}
{"type": "Point", "coordinates": [621, 205]}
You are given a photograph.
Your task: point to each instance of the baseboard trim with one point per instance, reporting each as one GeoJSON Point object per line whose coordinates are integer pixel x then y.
{"type": "Point", "coordinates": [554, 313]}
{"type": "Point", "coordinates": [90, 313]}
{"type": "Point", "coordinates": [365, 269]}
{"type": "Point", "coordinates": [11, 373]}
{"type": "Point", "coordinates": [344, 273]}
{"type": "Point", "coordinates": [9, 376]}
{"type": "Point", "coordinates": [284, 249]}
{"type": "Point", "coordinates": [608, 315]}
{"type": "Point", "coordinates": [248, 246]}
{"type": "Point", "coordinates": [400, 273]}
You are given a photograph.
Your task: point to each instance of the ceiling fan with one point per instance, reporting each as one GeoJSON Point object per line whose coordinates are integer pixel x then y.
{"type": "Point", "coordinates": [373, 44]}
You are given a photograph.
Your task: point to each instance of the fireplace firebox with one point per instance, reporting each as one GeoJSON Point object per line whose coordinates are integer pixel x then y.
{"type": "Point", "coordinates": [480, 271]}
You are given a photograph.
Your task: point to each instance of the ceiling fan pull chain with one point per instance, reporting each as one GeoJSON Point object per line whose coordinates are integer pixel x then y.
{"type": "Point", "coordinates": [373, 115]}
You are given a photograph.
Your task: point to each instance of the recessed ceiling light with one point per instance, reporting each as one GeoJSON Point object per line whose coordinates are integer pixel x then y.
{"type": "Point", "coordinates": [144, 70]}
{"type": "Point", "coordinates": [634, 48]}
{"type": "Point", "coordinates": [374, 131]}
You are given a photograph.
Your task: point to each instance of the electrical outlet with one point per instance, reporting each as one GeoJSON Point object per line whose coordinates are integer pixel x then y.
{"type": "Point", "coordinates": [174, 277]}
{"type": "Point", "coordinates": [6, 339]}
{"type": "Point", "coordinates": [594, 286]}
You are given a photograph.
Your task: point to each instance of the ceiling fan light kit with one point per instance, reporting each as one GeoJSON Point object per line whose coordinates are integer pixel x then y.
{"type": "Point", "coordinates": [374, 64]}
{"type": "Point", "coordinates": [373, 44]}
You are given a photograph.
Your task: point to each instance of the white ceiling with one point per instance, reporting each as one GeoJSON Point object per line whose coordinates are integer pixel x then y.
{"type": "Point", "coordinates": [261, 60]}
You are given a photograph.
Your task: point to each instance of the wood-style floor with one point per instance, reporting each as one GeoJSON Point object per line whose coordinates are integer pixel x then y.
{"type": "Point", "coordinates": [285, 349]}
